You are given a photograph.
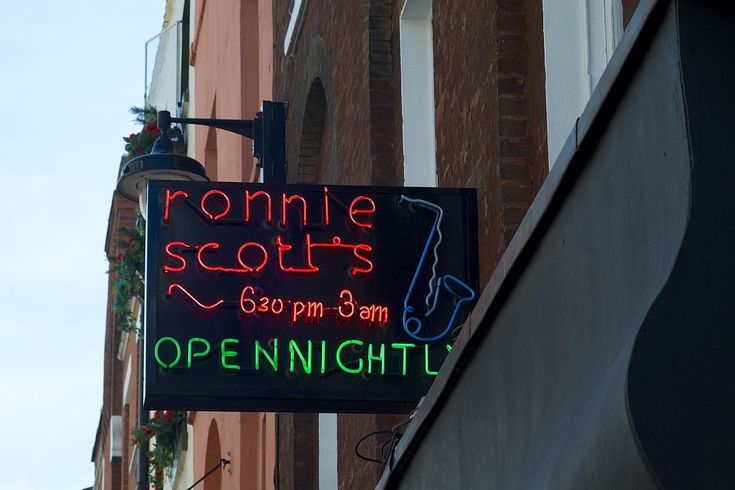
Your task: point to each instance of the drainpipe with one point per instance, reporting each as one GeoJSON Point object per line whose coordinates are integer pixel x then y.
{"type": "Point", "coordinates": [142, 419]}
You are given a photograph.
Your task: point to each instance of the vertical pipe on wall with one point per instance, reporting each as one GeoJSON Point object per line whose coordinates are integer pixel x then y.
{"type": "Point", "coordinates": [143, 446]}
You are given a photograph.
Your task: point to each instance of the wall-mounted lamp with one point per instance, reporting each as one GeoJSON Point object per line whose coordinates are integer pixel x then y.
{"type": "Point", "coordinates": [267, 131]}
{"type": "Point", "coordinates": [160, 164]}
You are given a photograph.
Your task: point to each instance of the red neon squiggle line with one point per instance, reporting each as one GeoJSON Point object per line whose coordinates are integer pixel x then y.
{"type": "Point", "coordinates": [248, 198]}
{"type": "Point", "coordinates": [168, 268]}
{"type": "Point", "coordinates": [170, 197]}
{"type": "Point", "coordinates": [220, 193]}
{"type": "Point", "coordinates": [191, 297]}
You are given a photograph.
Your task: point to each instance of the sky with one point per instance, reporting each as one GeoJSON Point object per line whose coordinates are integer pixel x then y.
{"type": "Point", "coordinates": [69, 72]}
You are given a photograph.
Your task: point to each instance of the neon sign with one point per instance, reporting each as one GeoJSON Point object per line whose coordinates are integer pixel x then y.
{"type": "Point", "coordinates": [303, 298]}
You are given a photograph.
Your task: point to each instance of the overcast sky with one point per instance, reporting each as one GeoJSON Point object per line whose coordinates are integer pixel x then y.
{"type": "Point", "coordinates": [69, 71]}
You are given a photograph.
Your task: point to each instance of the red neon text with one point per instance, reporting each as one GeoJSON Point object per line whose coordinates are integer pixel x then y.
{"type": "Point", "coordinates": [361, 205]}
{"type": "Point", "coordinates": [310, 311]}
{"type": "Point", "coordinates": [326, 205]}
{"type": "Point", "coordinates": [249, 304]}
{"type": "Point", "coordinates": [248, 262]}
{"type": "Point", "coordinates": [215, 217]}
{"type": "Point", "coordinates": [261, 194]}
{"type": "Point", "coordinates": [347, 307]}
{"type": "Point", "coordinates": [337, 243]}
{"type": "Point", "coordinates": [243, 266]}
{"type": "Point", "coordinates": [353, 210]}
{"type": "Point", "coordinates": [288, 200]}
{"type": "Point", "coordinates": [307, 311]}
{"type": "Point", "coordinates": [285, 247]}
{"type": "Point", "coordinates": [170, 197]}
{"type": "Point", "coordinates": [254, 264]}
{"type": "Point", "coordinates": [168, 268]}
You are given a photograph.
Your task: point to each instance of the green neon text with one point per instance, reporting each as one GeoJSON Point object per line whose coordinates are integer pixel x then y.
{"type": "Point", "coordinates": [404, 348]}
{"type": "Point", "coordinates": [158, 356]}
{"type": "Point", "coordinates": [339, 357]}
{"type": "Point", "coordinates": [294, 351]}
{"type": "Point", "coordinates": [190, 354]}
{"type": "Point", "coordinates": [272, 360]}
{"type": "Point", "coordinates": [351, 356]}
{"type": "Point", "coordinates": [380, 357]}
{"type": "Point", "coordinates": [323, 368]}
{"type": "Point", "coordinates": [426, 362]}
{"type": "Point", "coordinates": [228, 353]}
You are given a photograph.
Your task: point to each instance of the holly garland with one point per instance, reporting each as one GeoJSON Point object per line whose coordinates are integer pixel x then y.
{"type": "Point", "coordinates": [128, 272]}
{"type": "Point", "coordinates": [164, 426]}
{"type": "Point", "coordinates": [127, 266]}
{"type": "Point", "coordinates": [141, 143]}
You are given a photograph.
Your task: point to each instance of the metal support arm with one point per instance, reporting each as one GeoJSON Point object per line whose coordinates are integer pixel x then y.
{"type": "Point", "coordinates": [267, 130]}
{"type": "Point", "coordinates": [243, 127]}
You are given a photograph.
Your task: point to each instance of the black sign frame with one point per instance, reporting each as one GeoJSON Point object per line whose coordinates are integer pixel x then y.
{"type": "Point", "coordinates": [184, 304]}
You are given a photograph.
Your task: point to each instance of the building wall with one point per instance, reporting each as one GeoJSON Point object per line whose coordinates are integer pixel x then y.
{"type": "Point", "coordinates": [110, 466]}
{"type": "Point", "coordinates": [489, 105]}
{"type": "Point", "coordinates": [244, 439]}
{"type": "Point", "coordinates": [490, 128]}
{"type": "Point", "coordinates": [231, 53]}
{"type": "Point", "coordinates": [341, 76]}
{"type": "Point", "coordinates": [579, 40]}
{"type": "Point", "coordinates": [572, 356]}
{"type": "Point", "coordinates": [488, 86]}
{"type": "Point", "coordinates": [225, 56]}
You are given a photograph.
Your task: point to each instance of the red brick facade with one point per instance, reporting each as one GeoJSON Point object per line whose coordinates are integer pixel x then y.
{"type": "Point", "coordinates": [489, 95]}
{"type": "Point", "coordinates": [122, 217]}
{"type": "Point", "coordinates": [342, 81]}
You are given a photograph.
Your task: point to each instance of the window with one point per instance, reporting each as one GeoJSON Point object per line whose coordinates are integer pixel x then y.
{"type": "Point", "coordinates": [579, 40]}
{"type": "Point", "coordinates": [167, 66]}
{"type": "Point", "coordinates": [298, 7]}
{"type": "Point", "coordinates": [311, 148]}
{"type": "Point", "coordinates": [417, 94]}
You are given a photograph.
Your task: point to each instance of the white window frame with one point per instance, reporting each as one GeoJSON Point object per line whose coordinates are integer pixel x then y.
{"type": "Point", "coordinates": [294, 26]}
{"type": "Point", "coordinates": [580, 37]}
{"type": "Point", "coordinates": [328, 451]}
{"type": "Point", "coordinates": [417, 93]}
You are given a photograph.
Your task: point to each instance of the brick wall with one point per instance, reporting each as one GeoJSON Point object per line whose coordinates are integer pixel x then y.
{"type": "Point", "coordinates": [491, 132]}
{"type": "Point", "coordinates": [536, 92]}
{"type": "Point", "coordinates": [386, 170]}
{"type": "Point", "coordinates": [350, 137]}
{"type": "Point", "coordinates": [490, 113]}
{"type": "Point", "coordinates": [334, 36]}
{"type": "Point", "coordinates": [298, 451]}
{"type": "Point", "coordinates": [122, 216]}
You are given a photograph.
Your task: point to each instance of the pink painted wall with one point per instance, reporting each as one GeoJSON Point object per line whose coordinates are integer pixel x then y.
{"type": "Point", "coordinates": [245, 439]}
{"type": "Point", "coordinates": [232, 56]}
{"type": "Point", "coordinates": [232, 73]}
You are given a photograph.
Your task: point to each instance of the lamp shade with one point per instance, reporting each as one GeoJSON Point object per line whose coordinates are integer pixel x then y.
{"type": "Point", "coordinates": [134, 175]}
{"type": "Point", "coordinates": [160, 164]}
